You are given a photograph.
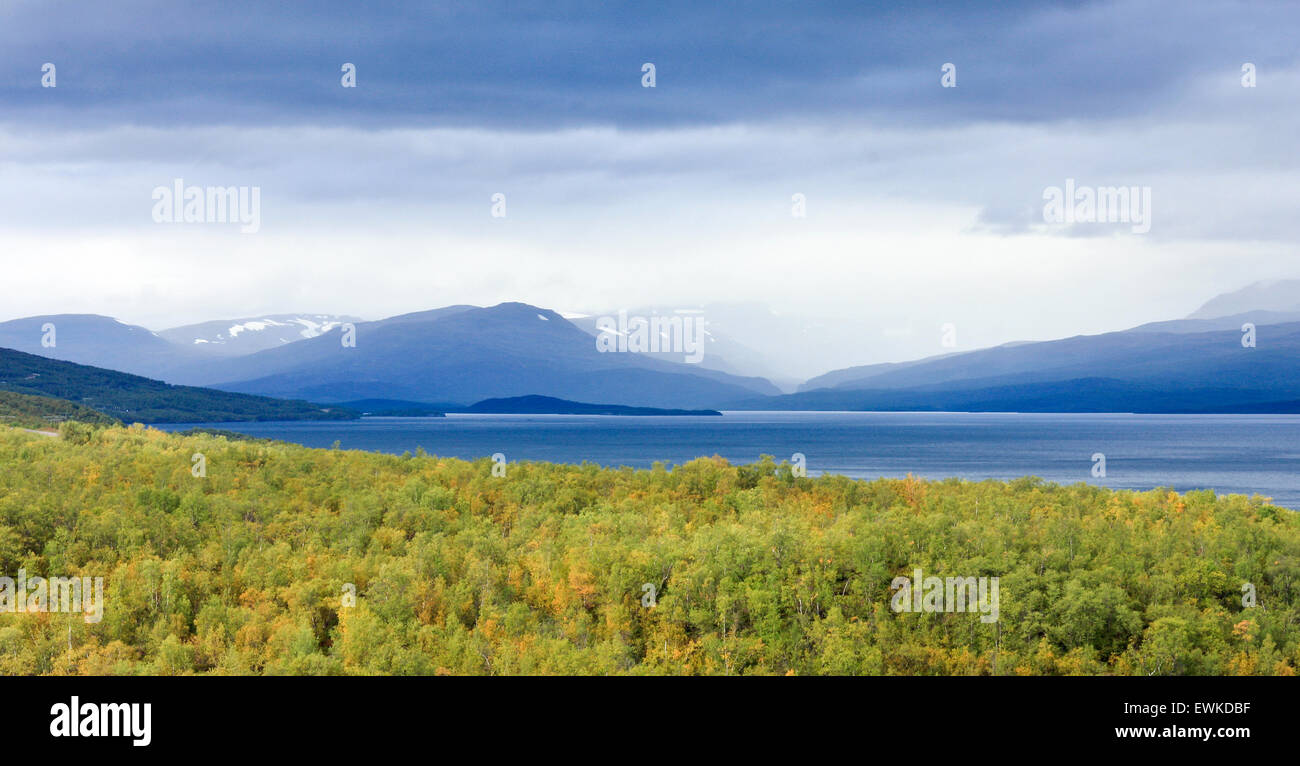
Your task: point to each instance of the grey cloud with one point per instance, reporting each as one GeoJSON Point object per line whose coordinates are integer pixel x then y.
{"type": "Point", "coordinates": [513, 65]}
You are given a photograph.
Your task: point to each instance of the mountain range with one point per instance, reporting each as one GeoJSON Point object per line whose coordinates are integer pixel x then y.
{"type": "Point", "coordinates": [457, 355]}
{"type": "Point", "coordinates": [1204, 363]}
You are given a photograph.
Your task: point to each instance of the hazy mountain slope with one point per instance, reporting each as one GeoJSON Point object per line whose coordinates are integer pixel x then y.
{"type": "Point", "coordinates": [1073, 395]}
{"type": "Point", "coordinates": [1230, 322]}
{"type": "Point", "coordinates": [749, 338]}
{"type": "Point", "coordinates": [470, 354]}
{"type": "Point", "coordinates": [425, 316]}
{"type": "Point", "coordinates": [95, 340]}
{"type": "Point", "coordinates": [549, 405]}
{"type": "Point", "coordinates": [1182, 359]}
{"type": "Point", "coordinates": [1138, 370]}
{"type": "Point", "coordinates": [718, 350]}
{"type": "Point", "coordinates": [1278, 295]}
{"type": "Point", "coordinates": [855, 377]}
{"type": "Point", "coordinates": [1261, 304]}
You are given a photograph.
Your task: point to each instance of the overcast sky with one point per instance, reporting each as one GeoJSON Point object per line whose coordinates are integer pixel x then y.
{"type": "Point", "coordinates": [924, 204]}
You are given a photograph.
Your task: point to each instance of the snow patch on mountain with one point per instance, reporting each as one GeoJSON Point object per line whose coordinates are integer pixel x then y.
{"type": "Point", "coordinates": [306, 327]}
{"type": "Point", "coordinates": [252, 334]}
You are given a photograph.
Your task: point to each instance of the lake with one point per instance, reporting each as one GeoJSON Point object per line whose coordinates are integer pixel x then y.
{"type": "Point", "coordinates": [1239, 454]}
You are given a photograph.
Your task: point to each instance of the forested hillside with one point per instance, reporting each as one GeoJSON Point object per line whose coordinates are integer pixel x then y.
{"type": "Point", "coordinates": [543, 570]}
{"type": "Point", "coordinates": [135, 399]}
{"type": "Point", "coordinates": [44, 412]}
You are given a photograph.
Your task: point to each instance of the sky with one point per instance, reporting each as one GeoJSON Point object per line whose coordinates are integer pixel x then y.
{"type": "Point", "coordinates": [922, 204]}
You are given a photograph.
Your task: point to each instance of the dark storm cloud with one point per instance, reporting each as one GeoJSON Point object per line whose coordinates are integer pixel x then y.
{"type": "Point", "coordinates": [557, 64]}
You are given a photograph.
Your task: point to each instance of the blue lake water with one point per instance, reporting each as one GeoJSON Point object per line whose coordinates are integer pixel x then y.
{"type": "Point", "coordinates": [1239, 454]}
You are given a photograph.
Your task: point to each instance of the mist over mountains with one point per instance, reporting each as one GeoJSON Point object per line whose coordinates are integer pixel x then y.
{"type": "Point", "coordinates": [462, 354]}
{"type": "Point", "coordinates": [1278, 295]}
{"type": "Point", "coordinates": [1207, 362]}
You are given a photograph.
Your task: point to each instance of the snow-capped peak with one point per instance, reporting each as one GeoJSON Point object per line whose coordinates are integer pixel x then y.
{"type": "Point", "coordinates": [254, 334]}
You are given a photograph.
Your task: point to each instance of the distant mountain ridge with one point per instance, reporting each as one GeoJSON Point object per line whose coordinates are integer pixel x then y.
{"type": "Point", "coordinates": [549, 405]}
{"type": "Point", "coordinates": [455, 354]}
{"type": "Point", "coordinates": [448, 357]}
{"type": "Point", "coordinates": [469, 354]}
{"type": "Point", "coordinates": [397, 408]}
{"type": "Point", "coordinates": [1281, 295]}
{"type": "Point", "coordinates": [95, 340]}
{"type": "Point", "coordinates": [1206, 363]}
{"type": "Point", "coordinates": [1074, 395]}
